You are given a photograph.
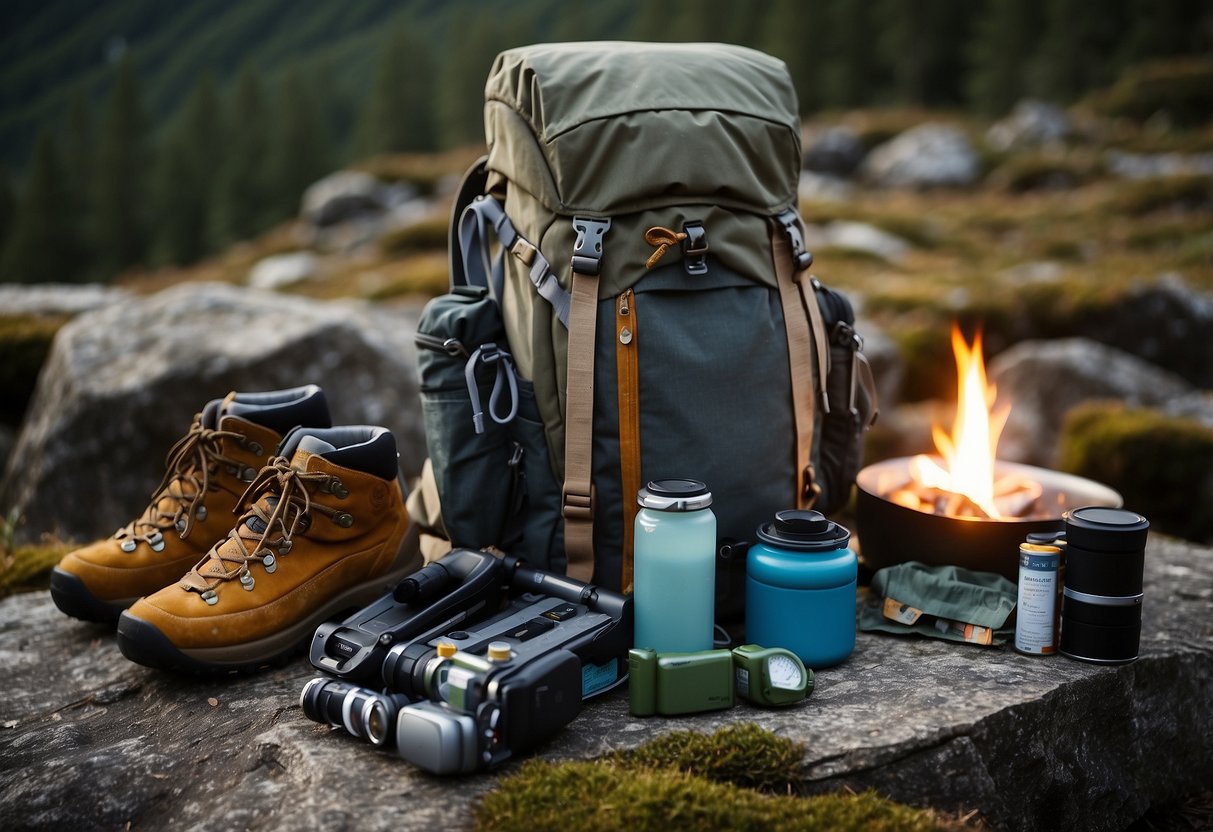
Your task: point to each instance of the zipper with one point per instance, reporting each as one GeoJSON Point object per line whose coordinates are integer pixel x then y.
{"type": "Point", "coordinates": [627, 369]}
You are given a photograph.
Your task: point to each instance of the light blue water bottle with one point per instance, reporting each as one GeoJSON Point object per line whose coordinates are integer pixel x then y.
{"type": "Point", "coordinates": [800, 588]}
{"type": "Point", "coordinates": [674, 567]}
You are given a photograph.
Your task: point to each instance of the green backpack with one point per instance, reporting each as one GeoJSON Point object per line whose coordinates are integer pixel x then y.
{"type": "Point", "coordinates": [630, 301]}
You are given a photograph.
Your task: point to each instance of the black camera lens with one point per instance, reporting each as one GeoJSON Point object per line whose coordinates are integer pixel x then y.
{"type": "Point", "coordinates": [362, 712]}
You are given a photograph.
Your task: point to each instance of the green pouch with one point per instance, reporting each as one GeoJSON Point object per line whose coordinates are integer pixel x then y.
{"type": "Point", "coordinates": [947, 602]}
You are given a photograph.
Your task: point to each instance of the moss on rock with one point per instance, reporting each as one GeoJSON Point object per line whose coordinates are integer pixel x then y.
{"type": "Point", "coordinates": [687, 781]}
{"type": "Point", "coordinates": [1162, 465]}
{"type": "Point", "coordinates": [25, 341]}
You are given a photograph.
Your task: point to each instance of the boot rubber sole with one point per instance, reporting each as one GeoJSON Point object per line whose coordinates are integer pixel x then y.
{"type": "Point", "coordinates": [72, 597]}
{"type": "Point", "coordinates": [144, 643]}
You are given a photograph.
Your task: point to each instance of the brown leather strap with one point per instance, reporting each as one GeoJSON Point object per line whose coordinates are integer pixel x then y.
{"type": "Point", "coordinates": [579, 429]}
{"type": "Point", "coordinates": [801, 341]}
{"type": "Point", "coordinates": [627, 373]}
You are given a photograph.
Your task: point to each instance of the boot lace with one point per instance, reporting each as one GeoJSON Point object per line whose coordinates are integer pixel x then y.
{"type": "Point", "coordinates": [279, 507]}
{"type": "Point", "coordinates": [178, 500]}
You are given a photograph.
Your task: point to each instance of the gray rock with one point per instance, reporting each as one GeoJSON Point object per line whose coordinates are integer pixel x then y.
{"type": "Point", "coordinates": [835, 151]}
{"type": "Point", "coordinates": [343, 196]}
{"type": "Point", "coordinates": [1165, 322]}
{"type": "Point", "coordinates": [1151, 165]}
{"type": "Point", "coordinates": [122, 383]}
{"type": "Point", "coordinates": [1034, 271]}
{"type": "Point", "coordinates": [888, 367]}
{"type": "Point", "coordinates": [1031, 743]}
{"type": "Point", "coordinates": [57, 298]}
{"type": "Point", "coordinates": [823, 188]}
{"type": "Point", "coordinates": [1044, 380]}
{"type": "Point", "coordinates": [926, 156]}
{"type": "Point", "coordinates": [1032, 123]}
{"type": "Point", "coordinates": [856, 236]}
{"type": "Point", "coordinates": [282, 270]}
{"type": "Point", "coordinates": [1197, 405]}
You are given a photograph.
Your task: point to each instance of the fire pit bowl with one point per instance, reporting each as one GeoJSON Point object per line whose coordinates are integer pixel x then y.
{"type": "Point", "coordinates": [890, 533]}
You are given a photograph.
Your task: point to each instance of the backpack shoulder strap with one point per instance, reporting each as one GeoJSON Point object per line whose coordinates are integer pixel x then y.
{"type": "Point", "coordinates": [806, 333]}
{"type": "Point", "coordinates": [578, 493]}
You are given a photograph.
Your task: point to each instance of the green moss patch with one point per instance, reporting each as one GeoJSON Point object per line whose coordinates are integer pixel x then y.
{"type": "Point", "coordinates": [1162, 465]}
{"type": "Point", "coordinates": [25, 341]}
{"type": "Point", "coordinates": [429, 234]}
{"type": "Point", "coordinates": [28, 567]}
{"type": "Point", "coordinates": [687, 781]}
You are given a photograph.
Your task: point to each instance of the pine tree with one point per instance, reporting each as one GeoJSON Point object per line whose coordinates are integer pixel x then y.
{"type": "Point", "coordinates": [399, 112]}
{"type": "Point", "coordinates": [79, 161]}
{"type": "Point", "coordinates": [8, 207]}
{"type": "Point", "coordinates": [797, 33]}
{"type": "Point", "coordinates": [301, 145]}
{"type": "Point", "coordinates": [44, 244]}
{"type": "Point", "coordinates": [183, 186]}
{"type": "Point", "coordinates": [921, 43]}
{"type": "Point", "coordinates": [461, 91]}
{"type": "Point", "coordinates": [1003, 33]}
{"type": "Point", "coordinates": [851, 77]}
{"type": "Point", "coordinates": [240, 208]}
{"type": "Point", "coordinates": [120, 175]}
{"type": "Point", "coordinates": [1078, 48]}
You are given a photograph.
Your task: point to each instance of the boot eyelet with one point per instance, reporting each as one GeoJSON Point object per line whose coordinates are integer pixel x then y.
{"type": "Point", "coordinates": [210, 597]}
{"type": "Point", "coordinates": [247, 581]}
{"type": "Point", "coordinates": [255, 448]}
{"type": "Point", "coordinates": [200, 514]}
{"type": "Point", "coordinates": [129, 545]}
{"type": "Point", "coordinates": [247, 474]}
{"type": "Point", "coordinates": [270, 563]}
{"type": "Point", "coordinates": [156, 541]}
{"type": "Point", "coordinates": [335, 487]}
{"type": "Point", "coordinates": [284, 547]}
{"type": "Point", "coordinates": [343, 519]}
{"type": "Point", "coordinates": [180, 525]}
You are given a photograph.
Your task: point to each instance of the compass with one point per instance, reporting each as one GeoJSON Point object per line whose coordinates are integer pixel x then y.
{"type": "Point", "coordinates": [770, 676]}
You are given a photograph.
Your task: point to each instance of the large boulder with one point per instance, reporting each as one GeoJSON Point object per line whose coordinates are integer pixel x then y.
{"type": "Point", "coordinates": [1044, 380]}
{"type": "Point", "coordinates": [834, 151]}
{"type": "Point", "coordinates": [57, 298]}
{"type": "Point", "coordinates": [92, 741]}
{"type": "Point", "coordinates": [1032, 123]}
{"type": "Point", "coordinates": [122, 383]}
{"type": "Point", "coordinates": [926, 156]}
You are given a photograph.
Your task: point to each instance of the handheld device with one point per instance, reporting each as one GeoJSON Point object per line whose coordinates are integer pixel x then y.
{"type": "Point", "coordinates": [686, 683]}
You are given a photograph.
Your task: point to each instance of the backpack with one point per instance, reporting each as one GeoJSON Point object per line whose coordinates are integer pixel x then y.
{"type": "Point", "coordinates": [630, 301]}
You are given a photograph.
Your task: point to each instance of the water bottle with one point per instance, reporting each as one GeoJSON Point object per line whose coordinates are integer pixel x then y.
{"type": "Point", "coordinates": [674, 562]}
{"type": "Point", "coordinates": [800, 588]}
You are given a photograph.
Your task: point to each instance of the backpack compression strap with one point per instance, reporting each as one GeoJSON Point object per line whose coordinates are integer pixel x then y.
{"type": "Point", "coordinates": [806, 331]}
{"type": "Point", "coordinates": [484, 213]}
{"type": "Point", "coordinates": [578, 495]}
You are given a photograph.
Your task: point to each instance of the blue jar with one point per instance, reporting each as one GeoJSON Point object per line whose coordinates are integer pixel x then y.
{"type": "Point", "coordinates": [800, 588]}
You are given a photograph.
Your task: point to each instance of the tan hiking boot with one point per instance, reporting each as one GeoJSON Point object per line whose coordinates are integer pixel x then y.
{"type": "Point", "coordinates": [324, 530]}
{"type": "Point", "coordinates": [206, 472]}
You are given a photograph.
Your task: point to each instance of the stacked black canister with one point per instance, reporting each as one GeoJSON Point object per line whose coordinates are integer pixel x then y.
{"type": "Point", "coordinates": [1105, 560]}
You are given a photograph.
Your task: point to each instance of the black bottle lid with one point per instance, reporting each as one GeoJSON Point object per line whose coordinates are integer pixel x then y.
{"type": "Point", "coordinates": [1104, 529]}
{"type": "Point", "coordinates": [803, 531]}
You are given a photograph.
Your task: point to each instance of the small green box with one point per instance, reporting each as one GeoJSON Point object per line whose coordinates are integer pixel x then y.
{"type": "Point", "coordinates": [691, 682]}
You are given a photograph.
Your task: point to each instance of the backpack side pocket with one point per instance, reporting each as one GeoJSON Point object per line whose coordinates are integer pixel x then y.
{"type": "Point", "coordinates": [852, 395]}
{"type": "Point", "coordinates": [470, 465]}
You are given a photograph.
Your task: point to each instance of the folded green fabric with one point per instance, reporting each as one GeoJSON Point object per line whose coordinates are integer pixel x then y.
{"type": "Point", "coordinates": [947, 602]}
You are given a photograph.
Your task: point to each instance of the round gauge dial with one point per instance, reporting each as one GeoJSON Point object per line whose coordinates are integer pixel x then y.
{"type": "Point", "coordinates": [784, 672]}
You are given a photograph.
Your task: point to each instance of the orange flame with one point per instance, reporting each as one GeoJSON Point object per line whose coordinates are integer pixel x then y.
{"type": "Point", "coordinates": [970, 451]}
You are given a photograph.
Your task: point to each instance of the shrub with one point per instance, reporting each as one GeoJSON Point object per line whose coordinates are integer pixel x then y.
{"type": "Point", "coordinates": [1182, 89]}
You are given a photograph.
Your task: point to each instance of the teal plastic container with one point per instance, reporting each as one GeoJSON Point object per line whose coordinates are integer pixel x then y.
{"type": "Point", "coordinates": [800, 588]}
{"type": "Point", "coordinates": [674, 567]}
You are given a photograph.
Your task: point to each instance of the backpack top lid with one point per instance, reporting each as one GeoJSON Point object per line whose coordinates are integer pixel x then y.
{"type": "Point", "coordinates": [613, 127]}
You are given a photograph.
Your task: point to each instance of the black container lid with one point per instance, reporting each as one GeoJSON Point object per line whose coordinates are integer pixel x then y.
{"type": "Point", "coordinates": [1103, 529]}
{"type": "Point", "coordinates": [674, 495]}
{"type": "Point", "coordinates": [803, 531]}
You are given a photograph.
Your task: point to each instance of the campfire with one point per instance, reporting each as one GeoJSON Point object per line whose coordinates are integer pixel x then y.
{"type": "Point", "coordinates": [964, 505]}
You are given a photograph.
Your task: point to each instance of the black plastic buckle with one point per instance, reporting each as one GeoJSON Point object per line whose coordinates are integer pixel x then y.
{"type": "Point", "coordinates": [695, 248]}
{"type": "Point", "coordinates": [587, 250]}
{"type": "Point", "coordinates": [790, 221]}
{"type": "Point", "coordinates": [844, 335]}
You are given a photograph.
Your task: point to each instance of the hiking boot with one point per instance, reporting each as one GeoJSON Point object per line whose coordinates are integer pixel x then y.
{"type": "Point", "coordinates": [323, 530]}
{"type": "Point", "coordinates": [206, 472]}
